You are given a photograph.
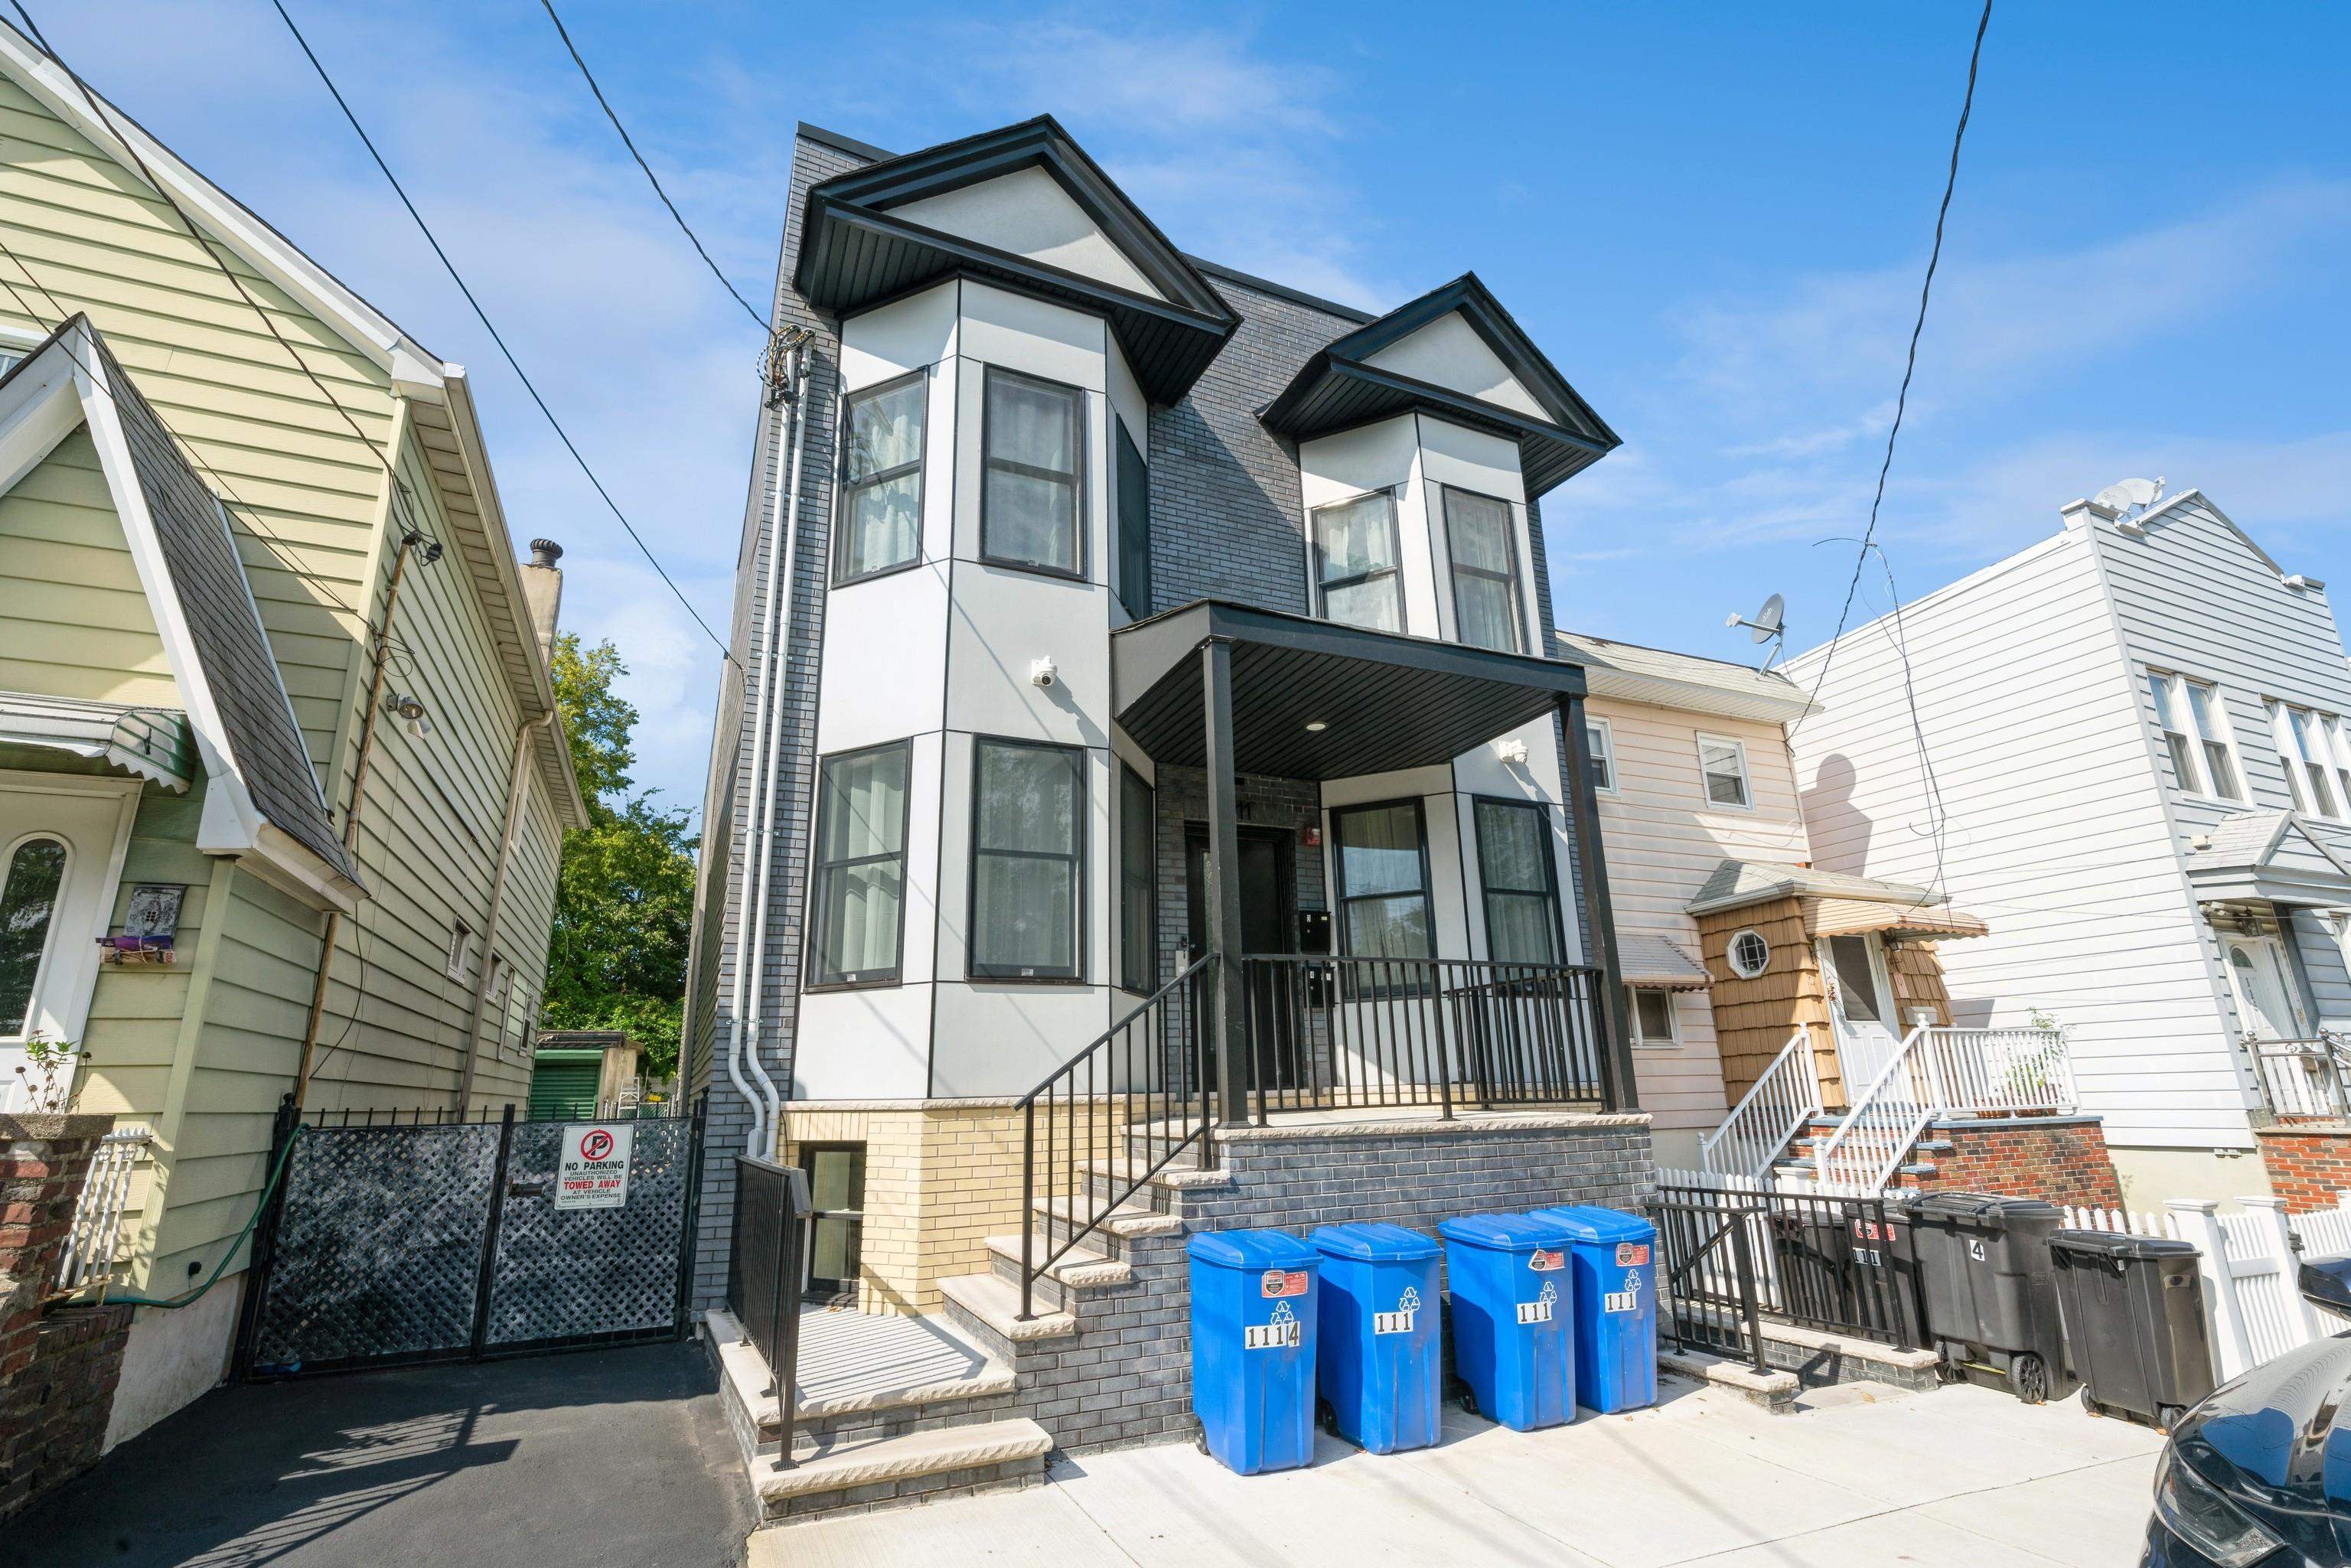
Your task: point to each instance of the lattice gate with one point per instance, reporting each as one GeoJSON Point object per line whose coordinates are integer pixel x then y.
{"type": "Point", "coordinates": [413, 1241]}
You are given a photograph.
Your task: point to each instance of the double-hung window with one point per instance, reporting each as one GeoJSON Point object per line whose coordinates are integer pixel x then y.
{"type": "Point", "coordinates": [1138, 884]}
{"type": "Point", "coordinates": [882, 478]}
{"type": "Point", "coordinates": [2306, 751]}
{"type": "Point", "coordinates": [1382, 875]}
{"type": "Point", "coordinates": [2338, 732]}
{"type": "Point", "coordinates": [1032, 499]}
{"type": "Point", "coordinates": [2190, 715]}
{"type": "Point", "coordinates": [1601, 739]}
{"type": "Point", "coordinates": [857, 893]}
{"type": "Point", "coordinates": [1133, 525]}
{"type": "Point", "coordinates": [1480, 537]}
{"type": "Point", "coordinates": [1027, 860]}
{"type": "Point", "coordinates": [1722, 767]}
{"type": "Point", "coordinates": [1355, 556]}
{"type": "Point", "coordinates": [1521, 881]}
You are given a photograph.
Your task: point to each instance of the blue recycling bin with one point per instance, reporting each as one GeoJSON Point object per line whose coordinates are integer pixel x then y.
{"type": "Point", "coordinates": [1513, 1323]}
{"type": "Point", "coordinates": [1381, 1364]}
{"type": "Point", "coordinates": [1253, 1344]}
{"type": "Point", "coordinates": [1613, 1260]}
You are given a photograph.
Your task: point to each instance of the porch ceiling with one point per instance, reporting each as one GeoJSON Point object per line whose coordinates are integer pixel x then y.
{"type": "Point", "coordinates": [1389, 702]}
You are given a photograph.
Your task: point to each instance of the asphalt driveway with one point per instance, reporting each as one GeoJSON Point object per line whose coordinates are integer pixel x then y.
{"type": "Point", "coordinates": [616, 1456]}
{"type": "Point", "coordinates": [1957, 1478]}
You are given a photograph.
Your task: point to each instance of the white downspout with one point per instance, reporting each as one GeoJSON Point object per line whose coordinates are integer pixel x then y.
{"type": "Point", "coordinates": [778, 663]}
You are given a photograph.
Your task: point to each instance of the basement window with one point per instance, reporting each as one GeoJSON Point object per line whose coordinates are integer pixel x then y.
{"type": "Point", "coordinates": [1652, 1012]}
{"type": "Point", "coordinates": [836, 1175]}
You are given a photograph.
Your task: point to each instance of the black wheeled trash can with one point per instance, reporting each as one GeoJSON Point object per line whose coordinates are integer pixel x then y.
{"type": "Point", "coordinates": [1989, 1290]}
{"type": "Point", "coordinates": [2134, 1313]}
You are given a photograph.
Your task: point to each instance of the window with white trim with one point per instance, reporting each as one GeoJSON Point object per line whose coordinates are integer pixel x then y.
{"type": "Point", "coordinates": [2194, 733]}
{"type": "Point", "coordinates": [1749, 954]}
{"type": "Point", "coordinates": [2306, 750]}
{"type": "Point", "coordinates": [1652, 1012]}
{"type": "Point", "coordinates": [1601, 741]}
{"type": "Point", "coordinates": [1722, 765]}
{"type": "Point", "coordinates": [461, 949]}
{"type": "Point", "coordinates": [2338, 735]}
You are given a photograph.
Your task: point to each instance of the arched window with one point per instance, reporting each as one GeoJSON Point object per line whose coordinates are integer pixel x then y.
{"type": "Point", "coordinates": [30, 883]}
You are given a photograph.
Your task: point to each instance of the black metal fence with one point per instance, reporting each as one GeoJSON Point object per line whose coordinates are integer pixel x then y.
{"type": "Point", "coordinates": [420, 1236]}
{"type": "Point", "coordinates": [1710, 1297]}
{"type": "Point", "coordinates": [1330, 1033]}
{"type": "Point", "coordinates": [766, 1267]}
{"type": "Point", "coordinates": [1842, 1265]}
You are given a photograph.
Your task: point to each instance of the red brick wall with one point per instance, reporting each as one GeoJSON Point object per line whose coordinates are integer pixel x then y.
{"type": "Point", "coordinates": [2059, 1158]}
{"type": "Point", "coordinates": [59, 1365]}
{"type": "Point", "coordinates": [2309, 1161]}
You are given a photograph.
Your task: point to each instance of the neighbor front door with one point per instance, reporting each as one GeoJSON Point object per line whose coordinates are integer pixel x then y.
{"type": "Point", "coordinates": [2263, 984]}
{"type": "Point", "coordinates": [57, 844]}
{"type": "Point", "coordinates": [1862, 1001]}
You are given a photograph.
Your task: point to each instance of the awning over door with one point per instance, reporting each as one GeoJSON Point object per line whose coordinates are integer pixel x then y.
{"type": "Point", "coordinates": [2269, 857]}
{"type": "Point", "coordinates": [1383, 702]}
{"type": "Point", "coordinates": [151, 742]}
{"type": "Point", "coordinates": [1836, 902]}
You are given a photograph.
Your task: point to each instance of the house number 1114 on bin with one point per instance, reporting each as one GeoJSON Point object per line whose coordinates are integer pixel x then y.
{"type": "Point", "coordinates": [1281, 1331]}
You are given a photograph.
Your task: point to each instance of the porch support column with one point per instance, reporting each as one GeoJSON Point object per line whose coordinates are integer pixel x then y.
{"type": "Point", "coordinates": [1231, 1007]}
{"type": "Point", "coordinates": [1618, 1085]}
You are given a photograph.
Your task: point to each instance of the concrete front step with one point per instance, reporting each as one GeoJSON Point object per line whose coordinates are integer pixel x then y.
{"type": "Point", "coordinates": [928, 1376]}
{"type": "Point", "coordinates": [1163, 1191]}
{"type": "Point", "coordinates": [1116, 1226]}
{"type": "Point", "coordinates": [1082, 1268]}
{"type": "Point", "coordinates": [988, 1307]}
{"type": "Point", "coordinates": [906, 1469]}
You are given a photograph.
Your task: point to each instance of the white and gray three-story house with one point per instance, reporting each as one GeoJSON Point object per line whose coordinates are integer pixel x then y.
{"type": "Point", "coordinates": [1157, 638]}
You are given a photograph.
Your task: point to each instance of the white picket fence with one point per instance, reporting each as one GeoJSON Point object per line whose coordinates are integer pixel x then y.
{"type": "Point", "coordinates": [2253, 1308]}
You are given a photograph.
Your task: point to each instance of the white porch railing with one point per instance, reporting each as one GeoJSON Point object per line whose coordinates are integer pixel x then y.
{"type": "Point", "coordinates": [1775, 1108]}
{"type": "Point", "coordinates": [1941, 1073]}
{"type": "Point", "coordinates": [95, 1233]}
{"type": "Point", "coordinates": [2303, 1078]}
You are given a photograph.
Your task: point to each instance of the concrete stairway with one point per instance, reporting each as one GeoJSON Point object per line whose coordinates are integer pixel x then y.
{"type": "Point", "coordinates": [1798, 1160]}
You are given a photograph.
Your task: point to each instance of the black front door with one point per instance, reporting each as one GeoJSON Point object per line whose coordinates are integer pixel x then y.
{"type": "Point", "coordinates": [1268, 924]}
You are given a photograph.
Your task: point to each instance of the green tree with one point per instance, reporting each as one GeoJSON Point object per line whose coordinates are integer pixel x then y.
{"type": "Point", "coordinates": [624, 901]}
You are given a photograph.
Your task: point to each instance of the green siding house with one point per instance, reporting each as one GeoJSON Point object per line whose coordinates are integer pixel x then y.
{"type": "Point", "coordinates": [282, 782]}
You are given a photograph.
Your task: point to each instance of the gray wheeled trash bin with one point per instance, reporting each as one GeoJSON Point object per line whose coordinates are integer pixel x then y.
{"type": "Point", "coordinates": [1989, 1290]}
{"type": "Point", "coordinates": [2134, 1313]}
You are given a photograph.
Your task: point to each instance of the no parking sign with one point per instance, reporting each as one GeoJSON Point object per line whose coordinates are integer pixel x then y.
{"type": "Point", "coordinates": [594, 1169]}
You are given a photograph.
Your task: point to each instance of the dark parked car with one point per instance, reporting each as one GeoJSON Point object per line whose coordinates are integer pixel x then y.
{"type": "Point", "coordinates": [2259, 1475]}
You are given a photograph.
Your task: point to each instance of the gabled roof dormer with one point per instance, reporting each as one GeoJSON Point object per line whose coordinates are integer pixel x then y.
{"type": "Point", "coordinates": [1026, 208]}
{"type": "Point", "coordinates": [1454, 354]}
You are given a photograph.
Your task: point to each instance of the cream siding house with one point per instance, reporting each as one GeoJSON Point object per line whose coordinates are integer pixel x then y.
{"type": "Point", "coordinates": [200, 528]}
{"type": "Point", "coordinates": [2158, 879]}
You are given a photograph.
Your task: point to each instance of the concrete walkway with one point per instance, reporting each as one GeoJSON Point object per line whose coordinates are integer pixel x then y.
{"type": "Point", "coordinates": [1964, 1476]}
{"type": "Point", "coordinates": [606, 1459]}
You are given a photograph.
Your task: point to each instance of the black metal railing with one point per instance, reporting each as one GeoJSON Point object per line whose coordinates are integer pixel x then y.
{"type": "Point", "coordinates": [1843, 1265]}
{"type": "Point", "coordinates": [763, 1270]}
{"type": "Point", "coordinates": [1330, 1032]}
{"type": "Point", "coordinates": [1710, 1298]}
{"type": "Point", "coordinates": [1149, 1073]}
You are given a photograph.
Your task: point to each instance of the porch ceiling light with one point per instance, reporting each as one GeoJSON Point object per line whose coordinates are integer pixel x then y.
{"type": "Point", "coordinates": [1316, 727]}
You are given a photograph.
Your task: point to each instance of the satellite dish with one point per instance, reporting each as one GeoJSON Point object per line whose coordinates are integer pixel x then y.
{"type": "Point", "coordinates": [2126, 494]}
{"type": "Point", "coordinates": [1769, 624]}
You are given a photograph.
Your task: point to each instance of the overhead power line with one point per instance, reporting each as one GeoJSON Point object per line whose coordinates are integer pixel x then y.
{"type": "Point", "coordinates": [1910, 365]}
{"type": "Point", "coordinates": [606, 104]}
{"type": "Point", "coordinates": [483, 316]}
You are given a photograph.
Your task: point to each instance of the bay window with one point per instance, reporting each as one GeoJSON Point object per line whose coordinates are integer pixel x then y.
{"type": "Point", "coordinates": [858, 892]}
{"type": "Point", "coordinates": [1032, 497]}
{"type": "Point", "coordinates": [1356, 553]}
{"type": "Point", "coordinates": [881, 479]}
{"type": "Point", "coordinates": [1482, 541]}
{"type": "Point", "coordinates": [1027, 859]}
{"type": "Point", "coordinates": [1520, 878]}
{"type": "Point", "coordinates": [1133, 525]}
{"type": "Point", "coordinates": [1138, 883]}
{"type": "Point", "coordinates": [1381, 865]}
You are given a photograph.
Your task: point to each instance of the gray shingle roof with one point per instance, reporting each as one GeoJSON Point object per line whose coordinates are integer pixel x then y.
{"type": "Point", "coordinates": [208, 578]}
{"type": "Point", "coordinates": [1647, 960]}
{"type": "Point", "coordinates": [1632, 673]}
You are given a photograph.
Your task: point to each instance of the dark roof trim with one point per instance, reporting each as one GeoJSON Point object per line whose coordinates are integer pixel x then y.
{"type": "Point", "coordinates": [840, 144]}
{"type": "Point", "coordinates": [1279, 291]}
{"type": "Point", "coordinates": [854, 253]}
{"type": "Point", "coordinates": [1339, 389]}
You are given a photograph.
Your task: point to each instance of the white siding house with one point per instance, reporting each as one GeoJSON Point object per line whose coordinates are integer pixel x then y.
{"type": "Point", "coordinates": [2098, 767]}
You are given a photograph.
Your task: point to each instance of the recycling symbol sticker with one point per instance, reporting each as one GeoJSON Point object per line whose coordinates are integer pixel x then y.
{"type": "Point", "coordinates": [1401, 1321]}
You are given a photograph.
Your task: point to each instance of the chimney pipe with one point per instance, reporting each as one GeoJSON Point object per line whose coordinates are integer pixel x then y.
{"type": "Point", "coordinates": [2083, 513]}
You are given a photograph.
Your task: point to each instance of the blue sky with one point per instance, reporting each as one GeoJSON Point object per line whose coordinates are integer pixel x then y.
{"type": "Point", "coordinates": [1713, 218]}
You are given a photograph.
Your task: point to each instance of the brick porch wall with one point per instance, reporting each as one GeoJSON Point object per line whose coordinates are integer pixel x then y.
{"type": "Point", "coordinates": [58, 1365]}
{"type": "Point", "coordinates": [2059, 1158]}
{"type": "Point", "coordinates": [2309, 1161]}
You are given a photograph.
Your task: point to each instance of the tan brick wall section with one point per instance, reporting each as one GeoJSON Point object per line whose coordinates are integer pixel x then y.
{"type": "Point", "coordinates": [941, 1177]}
